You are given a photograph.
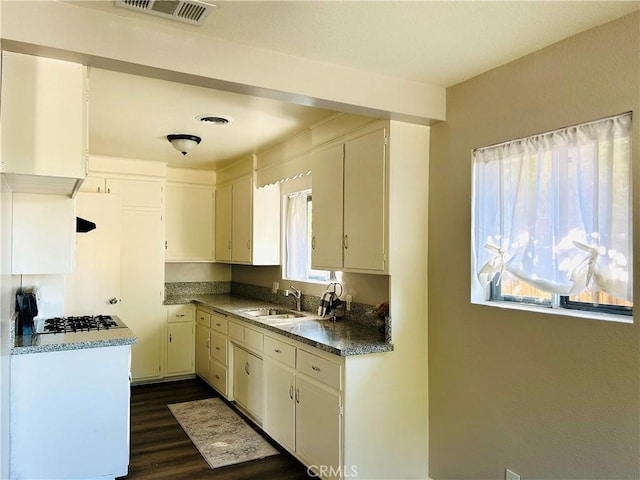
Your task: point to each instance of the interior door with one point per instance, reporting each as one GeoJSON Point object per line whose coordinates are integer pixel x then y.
{"type": "Point", "coordinates": [96, 278]}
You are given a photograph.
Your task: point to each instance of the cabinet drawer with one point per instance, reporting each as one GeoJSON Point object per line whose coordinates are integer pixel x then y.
{"type": "Point", "coordinates": [283, 352]}
{"type": "Point", "coordinates": [236, 331]}
{"type": "Point", "coordinates": [218, 375]}
{"type": "Point", "coordinates": [182, 313]}
{"type": "Point", "coordinates": [219, 323]}
{"type": "Point", "coordinates": [319, 369]}
{"type": "Point", "coordinates": [253, 338]}
{"type": "Point", "coordinates": [219, 347]}
{"type": "Point", "coordinates": [203, 318]}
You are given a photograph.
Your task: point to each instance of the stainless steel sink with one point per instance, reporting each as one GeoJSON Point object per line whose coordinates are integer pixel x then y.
{"type": "Point", "coordinates": [273, 313]}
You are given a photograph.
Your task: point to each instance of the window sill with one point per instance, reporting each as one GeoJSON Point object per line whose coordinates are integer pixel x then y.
{"type": "Point", "coordinates": [566, 312]}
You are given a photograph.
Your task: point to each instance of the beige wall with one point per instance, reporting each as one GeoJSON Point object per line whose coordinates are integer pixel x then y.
{"type": "Point", "coordinates": [196, 272]}
{"type": "Point", "coordinates": [550, 397]}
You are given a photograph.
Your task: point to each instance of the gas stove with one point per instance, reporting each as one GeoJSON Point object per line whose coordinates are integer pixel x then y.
{"type": "Point", "coordinates": [84, 323]}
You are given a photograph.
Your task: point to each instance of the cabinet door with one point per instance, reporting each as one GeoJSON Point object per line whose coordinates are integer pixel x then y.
{"type": "Point", "coordinates": [318, 424]}
{"type": "Point", "coordinates": [247, 377]}
{"type": "Point", "coordinates": [279, 405]}
{"type": "Point", "coordinates": [141, 288]}
{"type": "Point", "coordinates": [326, 243]}
{"type": "Point", "coordinates": [365, 205]}
{"type": "Point", "coordinates": [136, 193]}
{"type": "Point", "coordinates": [179, 348]}
{"type": "Point", "coordinates": [202, 352]}
{"type": "Point", "coordinates": [223, 223]}
{"type": "Point", "coordinates": [44, 116]}
{"type": "Point", "coordinates": [43, 234]}
{"type": "Point", "coordinates": [189, 223]}
{"type": "Point", "coordinates": [241, 228]}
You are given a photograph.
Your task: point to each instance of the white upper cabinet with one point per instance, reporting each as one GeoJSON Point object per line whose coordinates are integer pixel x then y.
{"type": "Point", "coordinates": [328, 202]}
{"type": "Point", "coordinates": [350, 205]}
{"type": "Point", "coordinates": [44, 124]}
{"type": "Point", "coordinates": [224, 201]}
{"type": "Point", "coordinates": [247, 223]}
{"type": "Point", "coordinates": [43, 234]}
{"type": "Point", "coordinates": [189, 222]}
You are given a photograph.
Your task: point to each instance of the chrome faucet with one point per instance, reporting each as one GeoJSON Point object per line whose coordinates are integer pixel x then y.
{"type": "Point", "coordinates": [296, 293]}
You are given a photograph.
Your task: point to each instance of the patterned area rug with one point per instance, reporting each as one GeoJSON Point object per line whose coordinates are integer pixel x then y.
{"type": "Point", "coordinates": [219, 433]}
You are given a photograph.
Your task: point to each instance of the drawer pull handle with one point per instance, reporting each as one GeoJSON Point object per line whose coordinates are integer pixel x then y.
{"type": "Point", "coordinates": [218, 348]}
{"type": "Point", "coordinates": [314, 368]}
{"type": "Point", "coordinates": [180, 315]}
{"type": "Point", "coordinates": [277, 350]}
{"type": "Point", "coordinates": [217, 377]}
{"type": "Point", "coordinates": [218, 324]}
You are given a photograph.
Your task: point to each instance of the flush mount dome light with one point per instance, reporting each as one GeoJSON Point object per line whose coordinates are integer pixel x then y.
{"type": "Point", "coordinates": [214, 119]}
{"type": "Point", "coordinates": [184, 143]}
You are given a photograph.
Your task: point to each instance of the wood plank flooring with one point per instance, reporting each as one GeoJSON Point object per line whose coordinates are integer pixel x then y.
{"type": "Point", "coordinates": [160, 449]}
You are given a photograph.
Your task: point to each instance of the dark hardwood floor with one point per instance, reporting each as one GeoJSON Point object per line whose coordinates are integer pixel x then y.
{"type": "Point", "coordinates": [160, 449]}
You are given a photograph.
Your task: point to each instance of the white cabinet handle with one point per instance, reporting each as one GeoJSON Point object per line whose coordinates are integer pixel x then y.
{"type": "Point", "coordinates": [346, 242]}
{"type": "Point", "coordinates": [297, 395]}
{"type": "Point", "coordinates": [314, 368]}
{"type": "Point", "coordinates": [218, 348]}
{"type": "Point", "coordinates": [277, 350]}
{"type": "Point", "coordinates": [313, 242]}
{"type": "Point", "coordinates": [217, 377]}
{"type": "Point", "coordinates": [291, 392]}
{"type": "Point", "coordinates": [246, 368]}
{"type": "Point", "coordinates": [180, 315]}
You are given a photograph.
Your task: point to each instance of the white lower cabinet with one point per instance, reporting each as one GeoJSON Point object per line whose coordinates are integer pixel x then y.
{"type": "Point", "coordinates": [180, 340]}
{"type": "Point", "coordinates": [248, 381]}
{"type": "Point", "coordinates": [318, 425]}
{"type": "Point", "coordinates": [202, 352]}
{"type": "Point", "coordinates": [211, 355]}
{"type": "Point", "coordinates": [292, 391]}
{"type": "Point", "coordinates": [179, 349]}
{"type": "Point", "coordinates": [304, 412]}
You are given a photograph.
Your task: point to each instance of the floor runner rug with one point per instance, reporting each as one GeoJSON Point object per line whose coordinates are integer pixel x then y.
{"type": "Point", "coordinates": [219, 433]}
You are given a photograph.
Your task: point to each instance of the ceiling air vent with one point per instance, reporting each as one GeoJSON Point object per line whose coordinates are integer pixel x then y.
{"type": "Point", "coordinates": [188, 11]}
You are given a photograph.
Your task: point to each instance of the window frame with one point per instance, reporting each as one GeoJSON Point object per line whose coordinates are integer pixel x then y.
{"type": "Point", "coordinates": [557, 303]}
{"type": "Point", "coordinates": [330, 274]}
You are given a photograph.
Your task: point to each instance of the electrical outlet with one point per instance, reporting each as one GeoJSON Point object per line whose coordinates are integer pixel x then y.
{"type": "Point", "coordinates": [509, 475]}
{"type": "Point", "coordinates": [349, 300]}
{"type": "Point", "coordinates": [275, 287]}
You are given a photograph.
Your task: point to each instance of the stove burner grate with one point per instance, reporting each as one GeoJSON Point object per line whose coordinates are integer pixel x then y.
{"type": "Point", "coordinates": [84, 323]}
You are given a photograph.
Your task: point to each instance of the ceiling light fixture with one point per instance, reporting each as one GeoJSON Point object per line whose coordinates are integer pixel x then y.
{"type": "Point", "coordinates": [215, 119]}
{"type": "Point", "coordinates": [184, 143]}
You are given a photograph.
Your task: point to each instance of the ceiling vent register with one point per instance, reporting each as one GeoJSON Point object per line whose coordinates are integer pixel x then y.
{"type": "Point", "coordinates": [193, 12]}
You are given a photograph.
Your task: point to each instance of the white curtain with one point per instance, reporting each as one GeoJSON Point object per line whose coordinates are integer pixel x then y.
{"type": "Point", "coordinates": [554, 209]}
{"type": "Point", "coordinates": [296, 237]}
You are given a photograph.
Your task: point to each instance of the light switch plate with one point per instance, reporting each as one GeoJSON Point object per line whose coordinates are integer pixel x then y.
{"type": "Point", "coordinates": [275, 287]}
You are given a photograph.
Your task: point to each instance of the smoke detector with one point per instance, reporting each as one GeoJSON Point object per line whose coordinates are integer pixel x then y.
{"type": "Point", "coordinates": [194, 12]}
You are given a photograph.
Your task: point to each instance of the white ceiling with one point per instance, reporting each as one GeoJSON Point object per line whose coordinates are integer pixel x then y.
{"type": "Point", "coordinates": [436, 42]}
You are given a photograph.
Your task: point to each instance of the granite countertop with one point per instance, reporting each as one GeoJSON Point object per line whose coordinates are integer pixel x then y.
{"type": "Point", "coordinates": [341, 337]}
{"type": "Point", "coordinates": [56, 342]}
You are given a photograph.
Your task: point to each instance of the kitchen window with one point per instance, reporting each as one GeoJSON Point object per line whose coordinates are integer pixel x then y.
{"type": "Point", "coordinates": [552, 220]}
{"type": "Point", "coordinates": [297, 245]}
